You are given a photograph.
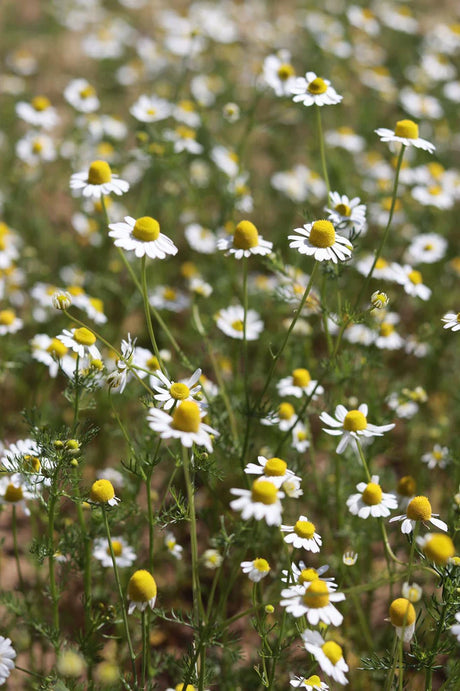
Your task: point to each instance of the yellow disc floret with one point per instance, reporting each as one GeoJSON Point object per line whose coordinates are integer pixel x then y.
{"type": "Point", "coordinates": [402, 612]}
{"type": "Point", "coordinates": [304, 529]}
{"type": "Point", "coordinates": [7, 317]}
{"type": "Point", "coordinates": [419, 509]}
{"type": "Point", "coordinates": [99, 172]}
{"type": "Point", "coordinates": [56, 348]}
{"type": "Point", "coordinates": [84, 336]}
{"type": "Point", "coordinates": [343, 209]}
{"type": "Point", "coordinates": [264, 492]}
{"type": "Point", "coordinates": [40, 103]}
{"type": "Point", "coordinates": [317, 595]}
{"type": "Point", "coordinates": [32, 463]}
{"type": "Point", "coordinates": [261, 565]}
{"type": "Point", "coordinates": [146, 229]}
{"type": "Point", "coordinates": [415, 277]}
{"type": "Point", "coordinates": [187, 417]}
{"type": "Point", "coordinates": [313, 681]}
{"type": "Point", "coordinates": [355, 421]}
{"type": "Point", "coordinates": [406, 129]}
{"type": "Point", "coordinates": [102, 491]}
{"type": "Point", "coordinates": [285, 71]}
{"type": "Point", "coordinates": [275, 467]}
{"type": "Point", "coordinates": [245, 236]}
{"type": "Point", "coordinates": [142, 586]}
{"type": "Point", "coordinates": [117, 548]}
{"type": "Point", "coordinates": [317, 86]}
{"type": "Point", "coordinates": [179, 391]}
{"type": "Point", "coordinates": [372, 495]}
{"type": "Point", "coordinates": [181, 687]}
{"type": "Point", "coordinates": [237, 325]}
{"type": "Point", "coordinates": [301, 377]}
{"type": "Point", "coordinates": [286, 411]}
{"type": "Point", "coordinates": [307, 576]}
{"type": "Point", "coordinates": [439, 548]}
{"type": "Point", "coordinates": [13, 494]}
{"type": "Point", "coordinates": [322, 234]}
{"type": "Point", "coordinates": [332, 651]}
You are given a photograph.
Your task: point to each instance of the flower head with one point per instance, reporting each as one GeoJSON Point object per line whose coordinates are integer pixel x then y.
{"type": "Point", "coordinates": [419, 510]}
{"type": "Point", "coordinates": [142, 591]}
{"type": "Point", "coordinates": [256, 569]}
{"type": "Point", "coordinates": [98, 180]}
{"type": "Point", "coordinates": [170, 393]}
{"type": "Point", "coordinates": [82, 341]}
{"type": "Point", "coordinates": [102, 492]}
{"type": "Point", "coordinates": [320, 240]}
{"type": "Point", "coordinates": [402, 616]}
{"type": "Point", "coordinates": [7, 655]}
{"type": "Point", "coordinates": [123, 553]}
{"type": "Point", "coordinates": [405, 132]}
{"type": "Point", "coordinates": [314, 600]}
{"type": "Point", "coordinates": [351, 425]}
{"type": "Point", "coordinates": [310, 684]}
{"type": "Point", "coordinates": [312, 90]}
{"type": "Point", "coordinates": [302, 535]}
{"type": "Point", "coordinates": [143, 237]}
{"type": "Point", "coordinates": [328, 654]}
{"type": "Point", "coordinates": [231, 321]}
{"type": "Point", "coordinates": [371, 501]}
{"type": "Point", "coordinates": [437, 547]}
{"type": "Point", "coordinates": [262, 501]}
{"type": "Point", "coordinates": [185, 424]}
{"type": "Point", "coordinates": [451, 321]}
{"type": "Point", "coordinates": [245, 241]}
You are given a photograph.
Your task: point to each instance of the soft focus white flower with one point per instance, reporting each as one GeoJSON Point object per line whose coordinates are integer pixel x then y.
{"type": "Point", "coordinates": [328, 654]}
{"type": "Point", "coordinates": [256, 570]}
{"type": "Point", "coordinates": [405, 132]}
{"type": "Point", "coordinates": [314, 600]}
{"type": "Point", "coordinates": [418, 510]}
{"type": "Point", "coordinates": [98, 180]}
{"type": "Point", "coordinates": [451, 321]}
{"type": "Point", "coordinates": [231, 321]}
{"type": "Point", "coordinates": [123, 553]}
{"type": "Point", "coordinates": [302, 535]}
{"type": "Point", "coordinates": [7, 655]}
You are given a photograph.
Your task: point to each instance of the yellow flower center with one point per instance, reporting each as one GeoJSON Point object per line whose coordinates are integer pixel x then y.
{"type": "Point", "coordinates": [179, 391]}
{"type": "Point", "coordinates": [435, 190]}
{"type": "Point", "coordinates": [439, 548]}
{"type": "Point", "coordinates": [87, 92]}
{"type": "Point", "coordinates": [458, 317]}
{"type": "Point", "coordinates": [37, 146]}
{"type": "Point", "coordinates": [275, 467]}
{"type": "Point", "coordinates": [102, 491]}
{"type": "Point", "coordinates": [354, 421]}
{"type": "Point", "coordinates": [40, 103]}
{"type": "Point", "coordinates": [187, 417]}
{"type": "Point", "coordinates": [402, 612]}
{"type": "Point", "coordinates": [317, 86]}
{"type": "Point", "coordinates": [406, 486]}
{"type": "Point", "coordinates": [264, 492]}
{"type": "Point", "coordinates": [99, 172]}
{"type": "Point", "coordinates": [438, 455]}
{"type": "Point", "coordinates": [185, 132]}
{"type": "Point", "coordinates": [343, 209]}
{"type": "Point", "coordinates": [304, 529]}
{"type": "Point", "coordinates": [345, 130]}
{"type": "Point", "coordinates": [387, 202]}
{"type": "Point", "coordinates": [7, 317]}
{"type": "Point", "coordinates": [245, 236]}
{"type": "Point", "coordinates": [322, 234]}
{"type": "Point", "coordinates": [75, 290]}
{"type": "Point", "coordinates": [307, 576]}
{"type": "Point", "coordinates": [186, 105]}
{"type": "Point", "coordinates": [406, 129]}
{"type": "Point", "coordinates": [285, 71]}
{"type": "Point", "coordinates": [286, 411]}
{"type": "Point", "coordinates": [141, 586]}
{"type": "Point", "coordinates": [84, 336]}
{"type": "Point", "coordinates": [302, 435]}
{"type": "Point", "coordinates": [261, 565]}
{"type": "Point", "coordinates": [301, 377]}
{"type": "Point", "coordinates": [233, 156]}
{"type": "Point", "coordinates": [97, 304]}
{"type": "Point", "coordinates": [419, 509]}
{"type": "Point", "coordinates": [238, 325]}
{"type": "Point", "coordinates": [372, 495]}
{"type": "Point", "coordinates": [146, 229]}
{"type": "Point", "coordinates": [169, 294]}
{"type": "Point", "coordinates": [32, 463]}
{"type": "Point", "coordinates": [332, 651]}
{"type": "Point", "coordinates": [313, 681]}
{"type": "Point", "coordinates": [415, 277]}
{"type": "Point", "coordinates": [181, 687]}
{"type": "Point", "coordinates": [317, 595]}
{"type": "Point", "coordinates": [152, 363]}
{"type": "Point", "coordinates": [151, 111]}
{"type": "Point", "coordinates": [386, 329]}
{"type": "Point", "coordinates": [436, 169]}
{"type": "Point", "coordinates": [117, 548]}
{"type": "Point", "coordinates": [381, 263]}
{"type": "Point", "coordinates": [13, 494]}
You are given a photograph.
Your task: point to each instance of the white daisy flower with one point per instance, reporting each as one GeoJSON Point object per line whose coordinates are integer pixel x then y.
{"type": "Point", "coordinates": [345, 212]}
{"type": "Point", "coordinates": [405, 132]}
{"type": "Point", "coordinates": [455, 629]}
{"type": "Point", "coordinates": [302, 535]}
{"type": "Point", "coordinates": [185, 425]}
{"type": "Point", "coordinates": [300, 438]}
{"type": "Point", "coordinates": [310, 684]}
{"type": "Point", "coordinates": [212, 559]}
{"type": "Point", "coordinates": [168, 298]}
{"type": "Point", "coordinates": [412, 592]}
{"type": "Point", "coordinates": [328, 654]}
{"type": "Point", "coordinates": [371, 501]}
{"type": "Point", "coordinates": [226, 160]}
{"type": "Point", "coordinates": [39, 112]}
{"type": "Point", "coordinates": [426, 248]}
{"type": "Point", "coordinates": [260, 502]}
{"type": "Point", "coordinates": [382, 269]}
{"type": "Point", "coordinates": [256, 570]}
{"type": "Point", "coordinates": [98, 180]}
{"type": "Point", "coordinates": [363, 18]}
{"type": "Point", "coordinates": [411, 280]}
{"type": "Point", "coordinates": [25, 457]}
{"type": "Point", "coordinates": [387, 336]}
{"type": "Point", "coordinates": [34, 148]}
{"type": "Point", "coordinates": [320, 240]}
{"type": "Point", "coordinates": [7, 655]}
{"type": "Point", "coordinates": [230, 321]}
{"type": "Point", "coordinates": [278, 73]}
{"type": "Point", "coordinates": [9, 322]}
{"type": "Point", "coordinates": [103, 492]}
{"type": "Point", "coordinates": [15, 491]}
{"type": "Point", "coordinates": [451, 321]}
{"type": "Point", "coordinates": [150, 109]}
{"type": "Point", "coordinates": [142, 236]}
{"type": "Point", "coordinates": [299, 384]}
{"type": "Point", "coordinates": [351, 425]}
{"type": "Point", "coordinates": [245, 241]}
{"type": "Point", "coordinates": [313, 600]}
{"type": "Point", "coordinates": [169, 393]}
{"type": "Point", "coordinates": [200, 239]}
{"type": "Point", "coordinates": [184, 139]}
{"type": "Point", "coordinates": [273, 469]}
{"type": "Point", "coordinates": [124, 554]}
{"type": "Point", "coordinates": [81, 341]}
{"type": "Point", "coordinates": [439, 457]}
{"type": "Point", "coordinates": [418, 509]}
{"type": "Point", "coordinates": [145, 361]}
{"type": "Point", "coordinates": [185, 112]}
{"type": "Point", "coordinates": [402, 616]}
{"type": "Point", "coordinates": [173, 548]}
{"type": "Point", "coordinates": [434, 195]}
{"type": "Point", "coordinates": [291, 487]}
{"type": "Point", "coordinates": [301, 574]}
{"type": "Point", "coordinates": [82, 96]}
{"type": "Point", "coordinates": [312, 90]}
{"type": "Point", "coordinates": [345, 138]}
{"type": "Point", "coordinates": [285, 417]}
{"type": "Point", "coordinates": [350, 558]}
{"type": "Point", "coordinates": [199, 287]}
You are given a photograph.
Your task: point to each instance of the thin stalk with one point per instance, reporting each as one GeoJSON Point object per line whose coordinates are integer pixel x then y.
{"type": "Point", "coordinates": [363, 459]}
{"type": "Point", "coordinates": [245, 341]}
{"type": "Point", "coordinates": [16, 550]}
{"type": "Point", "coordinates": [51, 562]}
{"type": "Point", "coordinates": [87, 598]}
{"type": "Point", "coordinates": [197, 603]}
{"type": "Point", "coordinates": [145, 646]}
{"type": "Point", "coordinates": [77, 395]}
{"type": "Point", "coordinates": [148, 487]}
{"type": "Point", "coordinates": [391, 673]}
{"type": "Point", "coordinates": [322, 148]}
{"type": "Point", "coordinates": [148, 316]}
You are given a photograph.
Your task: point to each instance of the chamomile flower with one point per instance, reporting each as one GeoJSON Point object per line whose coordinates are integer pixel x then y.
{"type": "Point", "coordinates": [351, 425]}
{"type": "Point", "coordinates": [320, 240]}
{"type": "Point", "coordinates": [173, 548]}
{"type": "Point", "coordinates": [273, 469]}
{"type": "Point", "coordinates": [7, 655]}
{"type": "Point", "coordinates": [439, 457]}
{"type": "Point", "coordinates": [9, 322]}
{"type": "Point", "coordinates": [455, 629]}
{"type": "Point", "coordinates": [310, 684]}
{"type": "Point", "coordinates": [98, 180]}
{"type": "Point", "coordinates": [302, 535]}
{"type": "Point", "coordinates": [314, 600]}
{"type": "Point", "coordinates": [302, 574]}
{"type": "Point", "coordinates": [142, 591]}
{"type": "Point", "coordinates": [200, 239]}
{"type": "Point", "coordinates": [185, 424]}
{"type": "Point", "coordinates": [256, 570]}
{"type": "Point", "coordinates": [299, 384]}
{"type": "Point", "coordinates": [406, 133]}
{"type": "Point", "coordinates": [371, 501]}
{"type": "Point", "coordinates": [350, 558]}
{"type": "Point", "coordinates": [15, 491]}
{"type": "Point", "coordinates": [25, 457]}
{"type": "Point", "coordinates": [123, 553]}
{"type": "Point", "coordinates": [412, 592]}
{"type": "Point", "coordinates": [427, 248]}
{"type": "Point", "coordinates": [345, 138]}
{"type": "Point", "coordinates": [142, 236]}
{"type": "Point", "coordinates": [437, 547]}
{"type": "Point", "coordinates": [150, 109]}
{"type": "Point", "coordinates": [230, 321]}
{"type": "Point", "coordinates": [81, 341]}
{"type": "Point", "coordinates": [102, 492]}
{"type": "Point", "coordinates": [169, 393]}
{"type": "Point", "coordinates": [245, 242]}
{"type": "Point", "coordinates": [402, 616]}
{"type": "Point", "coordinates": [412, 281]}
{"type": "Point", "coordinates": [35, 148]}
{"type": "Point", "coordinates": [382, 269]}
{"type": "Point", "coordinates": [328, 654]}
{"type": "Point", "coordinates": [418, 510]}
{"type": "Point", "coordinates": [39, 112]}
{"type": "Point", "coordinates": [212, 559]}
{"type": "Point", "coordinates": [278, 73]}
{"type": "Point", "coordinates": [262, 501]}
{"type": "Point", "coordinates": [284, 417]}
{"type": "Point", "coordinates": [184, 139]}
{"type": "Point", "coordinates": [300, 437]}
{"type": "Point", "coordinates": [312, 90]}
{"type": "Point", "coordinates": [451, 321]}
{"type": "Point", "coordinates": [82, 96]}
{"type": "Point", "coordinates": [346, 212]}
{"type": "Point", "coordinates": [405, 491]}
{"type": "Point", "coordinates": [185, 112]}
{"type": "Point", "coordinates": [226, 160]}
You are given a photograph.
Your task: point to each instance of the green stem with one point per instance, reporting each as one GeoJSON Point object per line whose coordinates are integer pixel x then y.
{"type": "Point", "coordinates": [86, 537]}
{"type": "Point", "coordinates": [77, 396]}
{"type": "Point", "coordinates": [148, 487]}
{"type": "Point", "coordinates": [148, 316]}
{"type": "Point", "coordinates": [391, 673]}
{"type": "Point", "coordinates": [145, 646]}
{"type": "Point", "coordinates": [363, 459]}
{"type": "Point", "coordinates": [197, 603]}
{"type": "Point", "coordinates": [322, 149]}
{"type": "Point", "coordinates": [51, 561]}
{"type": "Point", "coordinates": [16, 550]}
{"type": "Point", "coordinates": [245, 342]}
